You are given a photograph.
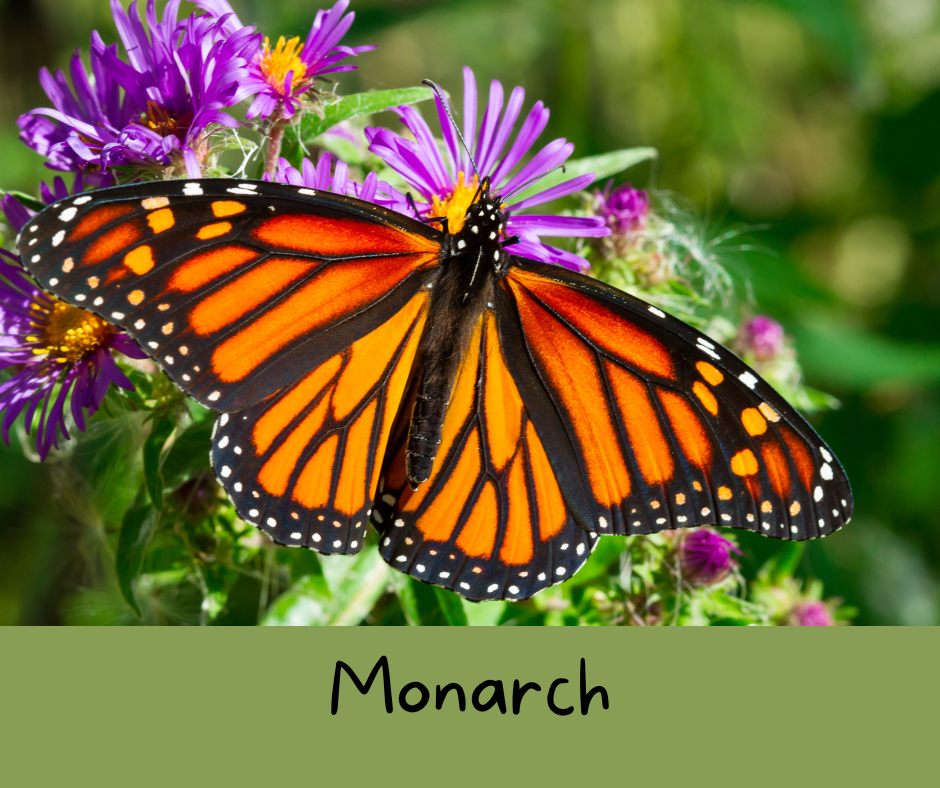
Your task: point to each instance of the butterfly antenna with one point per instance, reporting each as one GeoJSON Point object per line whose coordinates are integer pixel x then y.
{"type": "Point", "coordinates": [450, 117]}
{"type": "Point", "coordinates": [531, 181]}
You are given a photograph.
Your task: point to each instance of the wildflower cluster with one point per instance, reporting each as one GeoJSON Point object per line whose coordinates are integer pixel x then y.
{"type": "Point", "coordinates": [168, 101]}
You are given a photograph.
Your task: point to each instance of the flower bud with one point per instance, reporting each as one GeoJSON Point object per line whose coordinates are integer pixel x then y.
{"type": "Point", "coordinates": [705, 557]}
{"type": "Point", "coordinates": [762, 336]}
{"type": "Point", "coordinates": [812, 614]}
{"type": "Point", "coordinates": [624, 209]}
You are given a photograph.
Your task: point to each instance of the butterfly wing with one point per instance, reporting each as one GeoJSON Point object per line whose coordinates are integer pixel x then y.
{"type": "Point", "coordinates": [234, 288]}
{"type": "Point", "coordinates": [304, 463]}
{"type": "Point", "coordinates": [650, 425]}
{"type": "Point", "coordinates": [490, 522]}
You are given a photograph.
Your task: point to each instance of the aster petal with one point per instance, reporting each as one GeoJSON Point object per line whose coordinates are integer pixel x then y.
{"type": "Point", "coordinates": [557, 226]}
{"type": "Point", "coordinates": [532, 127]}
{"type": "Point", "coordinates": [505, 129]}
{"type": "Point", "coordinates": [452, 144]}
{"type": "Point", "coordinates": [487, 128]}
{"type": "Point", "coordinates": [469, 113]}
{"type": "Point", "coordinates": [555, 192]}
{"type": "Point", "coordinates": [124, 344]}
{"type": "Point", "coordinates": [551, 156]}
{"type": "Point", "coordinates": [436, 169]}
{"type": "Point", "coordinates": [550, 254]}
{"type": "Point", "coordinates": [193, 170]}
{"type": "Point", "coordinates": [17, 214]}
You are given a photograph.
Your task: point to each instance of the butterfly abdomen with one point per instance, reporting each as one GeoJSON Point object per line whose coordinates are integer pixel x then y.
{"type": "Point", "coordinates": [455, 311]}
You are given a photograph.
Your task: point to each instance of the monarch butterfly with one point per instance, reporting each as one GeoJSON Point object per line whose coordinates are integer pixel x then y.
{"type": "Point", "coordinates": [490, 415]}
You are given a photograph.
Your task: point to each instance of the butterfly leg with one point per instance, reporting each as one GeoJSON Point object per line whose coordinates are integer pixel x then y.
{"type": "Point", "coordinates": [442, 220]}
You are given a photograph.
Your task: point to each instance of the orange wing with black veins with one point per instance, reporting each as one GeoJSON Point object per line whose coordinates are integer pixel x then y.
{"type": "Point", "coordinates": [234, 288]}
{"type": "Point", "coordinates": [490, 522]}
{"type": "Point", "coordinates": [303, 464]}
{"type": "Point", "coordinates": [649, 425]}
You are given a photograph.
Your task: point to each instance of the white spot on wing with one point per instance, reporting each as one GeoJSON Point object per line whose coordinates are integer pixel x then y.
{"type": "Point", "coordinates": [657, 312]}
{"type": "Point", "coordinates": [710, 352]}
{"type": "Point", "coordinates": [68, 214]}
{"type": "Point", "coordinates": [192, 190]}
{"type": "Point", "coordinates": [826, 472]}
{"type": "Point", "coordinates": [748, 379]}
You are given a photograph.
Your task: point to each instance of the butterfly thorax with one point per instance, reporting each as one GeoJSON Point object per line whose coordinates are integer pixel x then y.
{"type": "Point", "coordinates": [471, 261]}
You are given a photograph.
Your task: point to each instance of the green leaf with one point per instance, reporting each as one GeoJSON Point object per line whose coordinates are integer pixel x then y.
{"type": "Point", "coordinates": [136, 530]}
{"type": "Point", "coordinates": [344, 596]}
{"type": "Point", "coordinates": [603, 166]}
{"type": "Point", "coordinates": [405, 591]}
{"type": "Point", "coordinates": [451, 606]}
{"type": "Point", "coordinates": [155, 449]}
{"type": "Point", "coordinates": [189, 454]}
{"type": "Point", "coordinates": [785, 561]}
{"type": "Point", "coordinates": [855, 358]}
{"type": "Point", "coordinates": [313, 125]}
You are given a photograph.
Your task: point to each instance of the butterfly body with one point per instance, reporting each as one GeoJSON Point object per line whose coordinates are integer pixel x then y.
{"type": "Point", "coordinates": [489, 415]}
{"type": "Point", "coordinates": [469, 262]}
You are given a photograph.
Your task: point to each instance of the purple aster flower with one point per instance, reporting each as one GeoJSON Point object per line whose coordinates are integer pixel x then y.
{"type": "Point", "coordinates": [705, 556]}
{"type": "Point", "coordinates": [320, 177]}
{"type": "Point", "coordinates": [53, 348]}
{"type": "Point", "coordinates": [90, 108]}
{"type": "Point", "coordinates": [18, 214]}
{"type": "Point", "coordinates": [177, 83]}
{"type": "Point", "coordinates": [280, 76]}
{"type": "Point", "coordinates": [762, 336]}
{"type": "Point", "coordinates": [446, 183]}
{"type": "Point", "coordinates": [812, 614]}
{"type": "Point", "coordinates": [624, 209]}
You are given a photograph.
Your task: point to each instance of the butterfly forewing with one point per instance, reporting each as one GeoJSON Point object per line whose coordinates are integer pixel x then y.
{"type": "Point", "coordinates": [234, 288]}
{"type": "Point", "coordinates": [651, 426]}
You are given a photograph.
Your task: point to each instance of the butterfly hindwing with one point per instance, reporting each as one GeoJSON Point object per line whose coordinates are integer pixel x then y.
{"type": "Point", "coordinates": [490, 522]}
{"type": "Point", "coordinates": [234, 288]}
{"type": "Point", "coordinates": [650, 425]}
{"type": "Point", "coordinates": [303, 464]}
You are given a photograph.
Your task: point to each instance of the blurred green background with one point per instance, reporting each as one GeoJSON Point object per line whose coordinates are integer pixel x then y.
{"type": "Point", "coordinates": [813, 120]}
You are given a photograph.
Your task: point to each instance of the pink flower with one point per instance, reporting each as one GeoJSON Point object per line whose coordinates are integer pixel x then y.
{"type": "Point", "coordinates": [625, 209]}
{"type": "Point", "coordinates": [812, 614]}
{"type": "Point", "coordinates": [762, 336]}
{"type": "Point", "coordinates": [705, 556]}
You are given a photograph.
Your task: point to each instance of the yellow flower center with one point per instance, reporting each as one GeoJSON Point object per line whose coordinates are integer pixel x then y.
{"type": "Point", "coordinates": [285, 57]}
{"type": "Point", "coordinates": [455, 206]}
{"type": "Point", "coordinates": [67, 333]}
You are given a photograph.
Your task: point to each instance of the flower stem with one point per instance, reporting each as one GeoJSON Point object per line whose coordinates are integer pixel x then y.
{"type": "Point", "coordinates": [275, 137]}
